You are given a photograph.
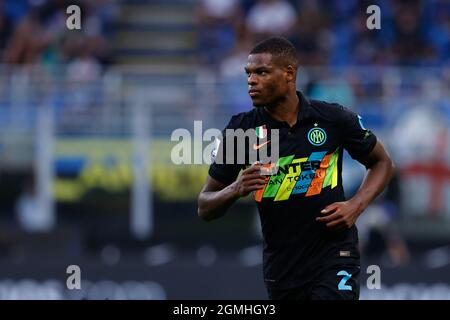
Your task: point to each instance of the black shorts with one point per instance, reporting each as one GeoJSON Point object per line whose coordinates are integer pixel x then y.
{"type": "Point", "coordinates": [337, 281]}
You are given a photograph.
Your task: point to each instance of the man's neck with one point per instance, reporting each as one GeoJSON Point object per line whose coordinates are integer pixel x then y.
{"type": "Point", "coordinates": [286, 110]}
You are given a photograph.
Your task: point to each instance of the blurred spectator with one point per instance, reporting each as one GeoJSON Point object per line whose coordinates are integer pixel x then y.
{"type": "Point", "coordinates": [410, 46]}
{"type": "Point", "coordinates": [41, 33]}
{"type": "Point", "coordinates": [5, 30]}
{"type": "Point", "coordinates": [29, 39]}
{"type": "Point", "coordinates": [438, 28]}
{"type": "Point", "coordinates": [311, 36]}
{"type": "Point", "coordinates": [83, 73]}
{"type": "Point", "coordinates": [220, 23]}
{"type": "Point", "coordinates": [232, 72]}
{"type": "Point", "coordinates": [413, 32]}
{"type": "Point", "coordinates": [232, 65]}
{"type": "Point", "coordinates": [271, 17]}
{"type": "Point", "coordinates": [365, 47]}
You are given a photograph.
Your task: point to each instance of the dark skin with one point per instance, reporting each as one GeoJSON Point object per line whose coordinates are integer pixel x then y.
{"type": "Point", "coordinates": [272, 86]}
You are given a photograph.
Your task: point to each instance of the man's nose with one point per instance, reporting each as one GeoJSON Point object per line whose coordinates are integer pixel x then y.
{"type": "Point", "coordinates": [251, 80]}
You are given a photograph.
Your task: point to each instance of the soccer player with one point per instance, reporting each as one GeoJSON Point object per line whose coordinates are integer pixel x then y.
{"type": "Point", "coordinates": [309, 233]}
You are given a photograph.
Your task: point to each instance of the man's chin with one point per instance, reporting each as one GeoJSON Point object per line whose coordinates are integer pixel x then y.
{"type": "Point", "coordinates": [258, 104]}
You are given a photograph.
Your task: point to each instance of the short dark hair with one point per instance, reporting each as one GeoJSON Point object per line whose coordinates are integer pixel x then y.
{"type": "Point", "coordinates": [281, 49]}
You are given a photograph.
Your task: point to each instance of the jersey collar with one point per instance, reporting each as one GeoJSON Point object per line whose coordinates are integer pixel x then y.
{"type": "Point", "coordinates": [303, 113]}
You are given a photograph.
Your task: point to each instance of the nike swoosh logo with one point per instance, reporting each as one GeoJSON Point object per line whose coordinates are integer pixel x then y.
{"type": "Point", "coordinates": [256, 146]}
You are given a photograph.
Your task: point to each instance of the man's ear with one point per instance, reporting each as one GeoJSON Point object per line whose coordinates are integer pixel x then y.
{"type": "Point", "coordinates": [290, 73]}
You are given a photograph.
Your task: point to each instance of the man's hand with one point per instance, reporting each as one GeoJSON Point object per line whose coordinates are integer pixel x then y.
{"type": "Point", "coordinates": [216, 197]}
{"type": "Point", "coordinates": [380, 168]}
{"type": "Point", "coordinates": [341, 215]}
{"type": "Point", "coordinates": [250, 180]}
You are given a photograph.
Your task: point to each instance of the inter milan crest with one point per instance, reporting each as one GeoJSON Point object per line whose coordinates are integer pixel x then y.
{"type": "Point", "coordinates": [317, 136]}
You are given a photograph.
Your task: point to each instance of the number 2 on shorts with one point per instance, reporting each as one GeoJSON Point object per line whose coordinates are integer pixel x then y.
{"type": "Point", "coordinates": [342, 284]}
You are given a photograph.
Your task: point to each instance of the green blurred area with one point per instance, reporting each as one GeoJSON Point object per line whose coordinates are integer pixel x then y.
{"type": "Point", "coordinates": [107, 167]}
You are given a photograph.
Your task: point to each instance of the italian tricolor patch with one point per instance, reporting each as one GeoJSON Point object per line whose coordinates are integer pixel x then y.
{"type": "Point", "coordinates": [261, 131]}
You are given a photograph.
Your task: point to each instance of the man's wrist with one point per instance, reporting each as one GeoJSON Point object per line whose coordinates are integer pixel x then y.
{"type": "Point", "coordinates": [234, 191]}
{"type": "Point", "coordinates": [361, 204]}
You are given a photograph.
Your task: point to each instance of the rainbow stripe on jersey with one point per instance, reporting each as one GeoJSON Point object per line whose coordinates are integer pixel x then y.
{"type": "Point", "coordinates": [306, 176]}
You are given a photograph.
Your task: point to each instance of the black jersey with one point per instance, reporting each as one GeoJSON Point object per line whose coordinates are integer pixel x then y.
{"type": "Point", "coordinates": [307, 178]}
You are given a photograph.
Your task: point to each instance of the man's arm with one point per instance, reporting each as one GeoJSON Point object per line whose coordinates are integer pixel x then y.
{"type": "Point", "coordinates": [380, 170]}
{"type": "Point", "coordinates": [216, 197]}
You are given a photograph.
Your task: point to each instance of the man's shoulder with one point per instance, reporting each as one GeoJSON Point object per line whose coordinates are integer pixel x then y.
{"type": "Point", "coordinates": [328, 110]}
{"type": "Point", "coordinates": [243, 120]}
{"type": "Point", "coordinates": [326, 106]}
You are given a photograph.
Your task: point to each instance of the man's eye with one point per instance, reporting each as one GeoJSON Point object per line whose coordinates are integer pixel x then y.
{"type": "Point", "coordinates": [263, 73]}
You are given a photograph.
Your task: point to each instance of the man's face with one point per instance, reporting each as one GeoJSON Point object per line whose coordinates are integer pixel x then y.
{"type": "Point", "coordinates": [267, 82]}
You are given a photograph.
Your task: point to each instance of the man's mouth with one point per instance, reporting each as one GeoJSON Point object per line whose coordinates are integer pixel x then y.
{"type": "Point", "coordinates": [254, 93]}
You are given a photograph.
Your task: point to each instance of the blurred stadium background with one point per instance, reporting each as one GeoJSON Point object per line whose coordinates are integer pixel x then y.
{"type": "Point", "coordinates": [86, 118]}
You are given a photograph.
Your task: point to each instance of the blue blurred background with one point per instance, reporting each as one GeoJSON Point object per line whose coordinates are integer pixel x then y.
{"type": "Point", "coordinates": [86, 118]}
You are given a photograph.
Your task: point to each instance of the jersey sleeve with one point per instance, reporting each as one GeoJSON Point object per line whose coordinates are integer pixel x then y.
{"type": "Point", "coordinates": [224, 167]}
{"type": "Point", "coordinates": [357, 140]}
